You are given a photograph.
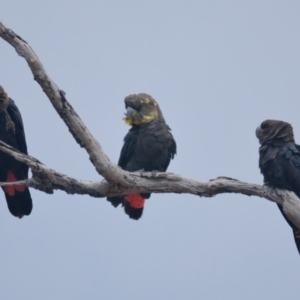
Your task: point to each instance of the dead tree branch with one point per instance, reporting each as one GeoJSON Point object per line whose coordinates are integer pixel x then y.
{"type": "Point", "coordinates": [118, 181]}
{"type": "Point", "coordinates": [57, 97]}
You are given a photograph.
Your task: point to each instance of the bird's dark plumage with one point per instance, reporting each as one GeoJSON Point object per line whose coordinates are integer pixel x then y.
{"type": "Point", "coordinates": [279, 161]}
{"type": "Point", "coordinates": [12, 133]}
{"type": "Point", "coordinates": [149, 146]}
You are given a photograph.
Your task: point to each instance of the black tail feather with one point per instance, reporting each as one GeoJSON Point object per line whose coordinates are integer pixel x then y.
{"type": "Point", "coordinates": [294, 228]}
{"type": "Point", "coordinates": [20, 204]}
{"type": "Point", "coordinates": [133, 213]}
{"type": "Point", "coordinates": [115, 201]}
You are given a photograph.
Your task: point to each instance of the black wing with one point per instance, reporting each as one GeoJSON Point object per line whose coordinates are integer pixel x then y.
{"type": "Point", "coordinates": [289, 157]}
{"type": "Point", "coordinates": [172, 150]}
{"type": "Point", "coordinates": [290, 164]}
{"type": "Point", "coordinates": [16, 117]}
{"type": "Point", "coordinates": [161, 131]}
{"type": "Point", "coordinates": [126, 153]}
{"type": "Point", "coordinates": [128, 147]}
{"type": "Point", "coordinates": [19, 201]}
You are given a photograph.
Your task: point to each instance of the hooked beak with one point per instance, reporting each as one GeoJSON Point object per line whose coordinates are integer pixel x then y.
{"type": "Point", "coordinates": [258, 131]}
{"type": "Point", "coordinates": [130, 112]}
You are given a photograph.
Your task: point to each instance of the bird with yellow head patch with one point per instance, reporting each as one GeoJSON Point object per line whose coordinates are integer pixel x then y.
{"type": "Point", "coordinates": [148, 146]}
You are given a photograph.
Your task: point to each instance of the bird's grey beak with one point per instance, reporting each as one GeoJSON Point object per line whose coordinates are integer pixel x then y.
{"type": "Point", "coordinates": [258, 131]}
{"type": "Point", "coordinates": [130, 112]}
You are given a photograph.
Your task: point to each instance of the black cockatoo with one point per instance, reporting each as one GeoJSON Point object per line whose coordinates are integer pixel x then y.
{"type": "Point", "coordinates": [12, 133]}
{"type": "Point", "coordinates": [149, 146]}
{"type": "Point", "coordinates": [279, 161]}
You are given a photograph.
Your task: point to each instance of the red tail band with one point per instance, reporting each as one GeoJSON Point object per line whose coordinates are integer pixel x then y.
{"type": "Point", "coordinates": [11, 189]}
{"type": "Point", "coordinates": [135, 200]}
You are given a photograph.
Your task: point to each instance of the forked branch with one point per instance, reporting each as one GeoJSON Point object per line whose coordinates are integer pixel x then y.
{"type": "Point", "coordinates": [118, 181]}
{"type": "Point", "coordinates": [57, 97]}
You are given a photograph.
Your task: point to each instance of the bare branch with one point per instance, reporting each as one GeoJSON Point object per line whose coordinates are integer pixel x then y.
{"type": "Point", "coordinates": [47, 180]}
{"type": "Point", "coordinates": [57, 97]}
{"type": "Point", "coordinates": [139, 182]}
{"type": "Point", "coordinates": [119, 182]}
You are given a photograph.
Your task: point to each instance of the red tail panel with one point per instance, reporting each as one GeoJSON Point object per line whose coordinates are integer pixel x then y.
{"type": "Point", "coordinates": [135, 201]}
{"type": "Point", "coordinates": [11, 189]}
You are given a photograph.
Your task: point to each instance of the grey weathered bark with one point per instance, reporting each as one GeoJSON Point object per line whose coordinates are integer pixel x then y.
{"type": "Point", "coordinates": [118, 181]}
{"type": "Point", "coordinates": [57, 97]}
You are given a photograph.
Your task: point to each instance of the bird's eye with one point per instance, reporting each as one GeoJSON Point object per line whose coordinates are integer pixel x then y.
{"type": "Point", "coordinates": [264, 125]}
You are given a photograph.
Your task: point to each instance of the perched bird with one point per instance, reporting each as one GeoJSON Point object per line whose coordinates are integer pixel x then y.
{"type": "Point", "coordinates": [148, 146]}
{"type": "Point", "coordinates": [279, 161]}
{"type": "Point", "coordinates": [12, 133]}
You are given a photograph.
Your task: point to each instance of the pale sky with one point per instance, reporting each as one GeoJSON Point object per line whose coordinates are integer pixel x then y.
{"type": "Point", "coordinates": [217, 69]}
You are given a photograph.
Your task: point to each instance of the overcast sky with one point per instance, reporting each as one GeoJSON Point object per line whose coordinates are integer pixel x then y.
{"type": "Point", "coordinates": [217, 69]}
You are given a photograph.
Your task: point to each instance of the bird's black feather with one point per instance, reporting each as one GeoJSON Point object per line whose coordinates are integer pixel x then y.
{"type": "Point", "coordinates": [148, 146]}
{"type": "Point", "coordinates": [279, 162]}
{"type": "Point", "coordinates": [19, 200]}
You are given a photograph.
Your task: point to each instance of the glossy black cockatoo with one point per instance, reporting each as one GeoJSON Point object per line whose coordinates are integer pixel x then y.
{"type": "Point", "coordinates": [279, 161]}
{"type": "Point", "coordinates": [12, 133]}
{"type": "Point", "coordinates": [148, 146]}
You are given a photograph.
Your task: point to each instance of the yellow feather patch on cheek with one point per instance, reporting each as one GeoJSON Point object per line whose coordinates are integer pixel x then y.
{"type": "Point", "coordinates": [128, 121]}
{"type": "Point", "coordinates": [141, 119]}
{"type": "Point", "coordinates": [148, 118]}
